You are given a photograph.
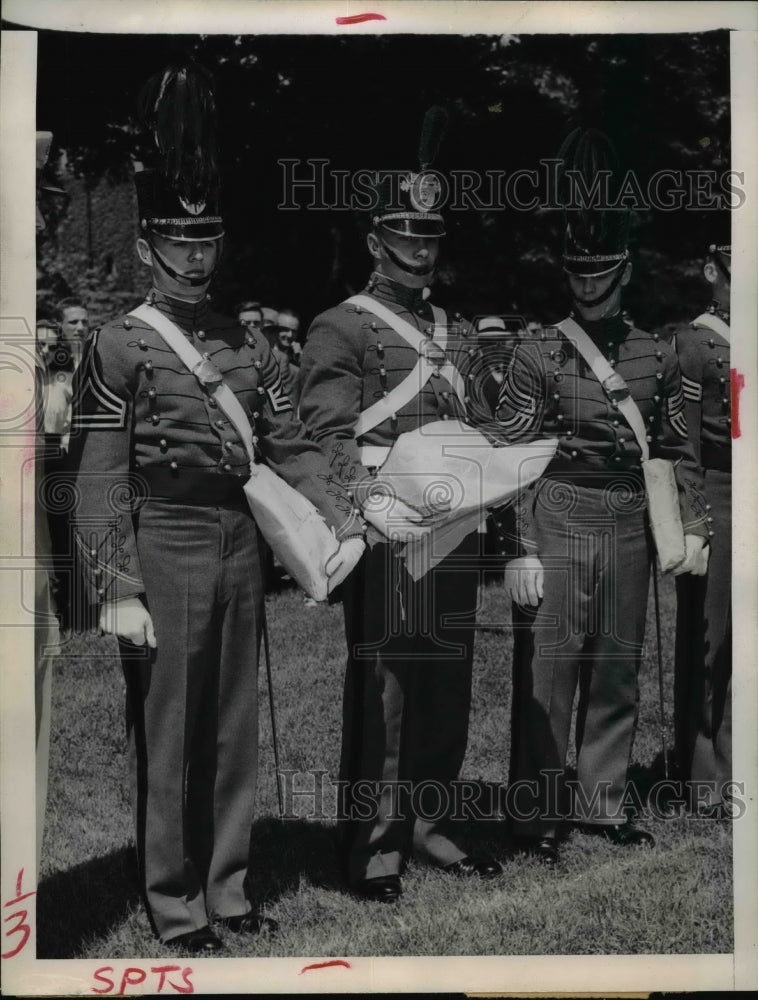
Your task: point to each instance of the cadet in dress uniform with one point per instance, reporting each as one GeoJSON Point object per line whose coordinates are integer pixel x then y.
{"type": "Point", "coordinates": [410, 644]}
{"type": "Point", "coordinates": [172, 556]}
{"type": "Point", "coordinates": [703, 673]}
{"type": "Point", "coordinates": [580, 582]}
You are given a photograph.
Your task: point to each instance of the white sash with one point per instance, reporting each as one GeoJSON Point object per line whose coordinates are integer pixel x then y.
{"type": "Point", "coordinates": [715, 323]}
{"type": "Point", "coordinates": [292, 526]}
{"type": "Point", "coordinates": [191, 358]}
{"type": "Point", "coordinates": [603, 372]}
{"type": "Point", "coordinates": [660, 482]}
{"type": "Point", "coordinates": [415, 381]}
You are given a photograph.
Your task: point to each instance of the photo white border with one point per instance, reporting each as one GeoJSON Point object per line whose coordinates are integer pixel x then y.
{"type": "Point", "coordinates": [24, 975]}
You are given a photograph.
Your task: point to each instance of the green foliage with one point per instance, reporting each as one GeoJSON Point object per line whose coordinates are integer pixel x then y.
{"type": "Point", "coordinates": [88, 249]}
{"type": "Point", "coordinates": [359, 101]}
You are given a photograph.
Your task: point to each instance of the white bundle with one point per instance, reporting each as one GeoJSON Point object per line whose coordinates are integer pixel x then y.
{"type": "Point", "coordinates": [451, 473]}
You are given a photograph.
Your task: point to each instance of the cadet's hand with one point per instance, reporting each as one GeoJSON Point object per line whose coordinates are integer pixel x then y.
{"type": "Point", "coordinates": [523, 580]}
{"type": "Point", "coordinates": [695, 557]}
{"type": "Point", "coordinates": [344, 561]}
{"type": "Point", "coordinates": [701, 563]}
{"type": "Point", "coordinates": [393, 518]}
{"type": "Point", "coordinates": [128, 619]}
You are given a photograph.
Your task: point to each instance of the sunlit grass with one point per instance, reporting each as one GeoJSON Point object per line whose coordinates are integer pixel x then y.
{"type": "Point", "coordinates": [600, 900]}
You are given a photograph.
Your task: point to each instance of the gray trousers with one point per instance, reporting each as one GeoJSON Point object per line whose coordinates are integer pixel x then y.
{"type": "Point", "coordinates": [192, 712]}
{"type": "Point", "coordinates": [406, 708]}
{"type": "Point", "coordinates": [586, 634]}
{"type": "Point", "coordinates": [703, 675]}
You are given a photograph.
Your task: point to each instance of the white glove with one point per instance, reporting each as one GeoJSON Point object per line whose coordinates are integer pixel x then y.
{"type": "Point", "coordinates": [696, 554]}
{"type": "Point", "coordinates": [524, 579]}
{"type": "Point", "coordinates": [393, 518]}
{"type": "Point", "coordinates": [344, 561]}
{"type": "Point", "coordinates": [128, 619]}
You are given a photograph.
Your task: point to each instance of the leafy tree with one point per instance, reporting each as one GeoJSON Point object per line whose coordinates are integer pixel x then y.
{"type": "Point", "coordinates": [358, 101]}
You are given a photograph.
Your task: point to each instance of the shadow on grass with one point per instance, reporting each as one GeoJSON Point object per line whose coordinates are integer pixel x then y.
{"type": "Point", "coordinates": [88, 901]}
{"type": "Point", "coordinates": [645, 778]}
{"type": "Point", "coordinates": [85, 902]}
{"type": "Point", "coordinates": [283, 852]}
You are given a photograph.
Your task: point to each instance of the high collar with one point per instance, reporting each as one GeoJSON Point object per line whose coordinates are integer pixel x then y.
{"type": "Point", "coordinates": [387, 290]}
{"type": "Point", "coordinates": [715, 309]}
{"type": "Point", "coordinates": [190, 316]}
{"type": "Point", "coordinates": [609, 329]}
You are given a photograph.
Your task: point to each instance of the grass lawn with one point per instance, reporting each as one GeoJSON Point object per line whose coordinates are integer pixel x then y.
{"type": "Point", "coordinates": [674, 899]}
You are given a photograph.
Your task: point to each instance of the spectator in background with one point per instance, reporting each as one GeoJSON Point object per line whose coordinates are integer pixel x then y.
{"type": "Point", "coordinates": [56, 374]}
{"type": "Point", "coordinates": [270, 324]}
{"type": "Point", "coordinates": [533, 328]}
{"type": "Point", "coordinates": [289, 329]}
{"type": "Point", "coordinates": [249, 315]}
{"type": "Point", "coordinates": [72, 318]}
{"type": "Point", "coordinates": [279, 348]}
{"type": "Point", "coordinates": [269, 327]}
{"type": "Point", "coordinates": [46, 336]}
{"type": "Point", "coordinates": [287, 325]}
{"type": "Point", "coordinates": [55, 378]}
{"type": "Point", "coordinates": [73, 323]}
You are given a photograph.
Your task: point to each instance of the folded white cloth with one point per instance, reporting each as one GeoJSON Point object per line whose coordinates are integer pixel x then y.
{"type": "Point", "coordinates": [452, 474]}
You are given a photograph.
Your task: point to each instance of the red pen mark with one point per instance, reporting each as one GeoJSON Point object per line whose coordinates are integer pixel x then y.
{"type": "Point", "coordinates": [135, 975]}
{"type": "Point", "coordinates": [738, 384]}
{"type": "Point", "coordinates": [326, 965]}
{"type": "Point", "coordinates": [18, 915]}
{"type": "Point", "coordinates": [360, 18]}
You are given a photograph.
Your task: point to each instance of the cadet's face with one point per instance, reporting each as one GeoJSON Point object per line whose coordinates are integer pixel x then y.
{"type": "Point", "coordinates": [585, 289]}
{"type": "Point", "coordinates": [190, 259]}
{"type": "Point", "coordinates": [418, 253]}
{"type": "Point", "coordinates": [74, 324]}
{"type": "Point", "coordinates": [195, 259]}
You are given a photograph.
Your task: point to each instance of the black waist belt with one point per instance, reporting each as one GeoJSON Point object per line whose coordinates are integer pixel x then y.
{"type": "Point", "coordinates": [204, 488]}
{"type": "Point", "coordinates": [592, 480]}
{"type": "Point", "coordinates": [718, 457]}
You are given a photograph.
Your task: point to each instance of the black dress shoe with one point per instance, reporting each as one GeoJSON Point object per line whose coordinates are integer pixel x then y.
{"type": "Point", "coordinates": [199, 942]}
{"type": "Point", "coordinates": [484, 868]}
{"type": "Point", "coordinates": [545, 849]}
{"type": "Point", "coordinates": [620, 834]}
{"type": "Point", "coordinates": [382, 889]}
{"type": "Point", "coordinates": [249, 923]}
